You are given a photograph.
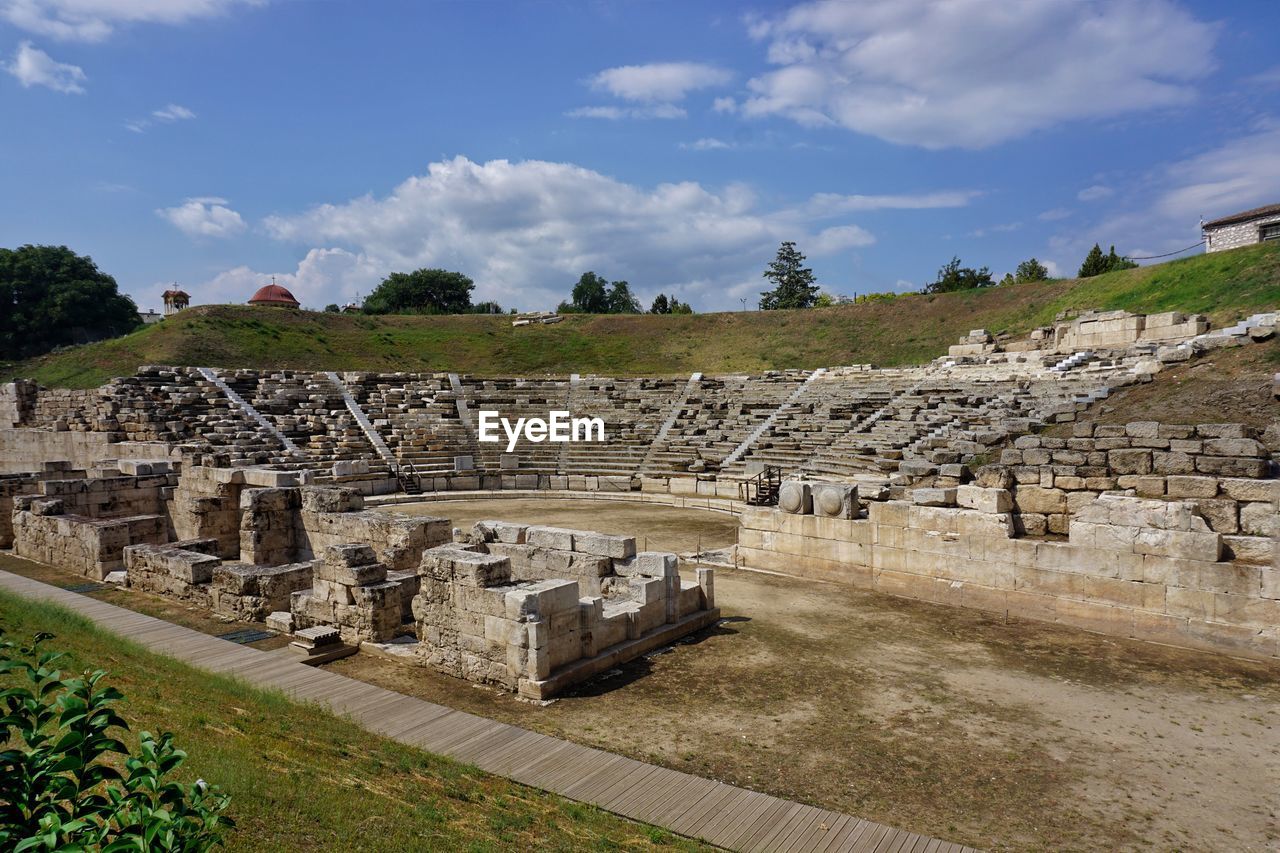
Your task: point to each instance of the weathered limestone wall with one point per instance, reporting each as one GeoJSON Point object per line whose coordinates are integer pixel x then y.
{"type": "Point", "coordinates": [480, 619]}
{"type": "Point", "coordinates": [287, 524]}
{"type": "Point", "coordinates": [1147, 569]}
{"type": "Point", "coordinates": [17, 403]}
{"type": "Point", "coordinates": [91, 546]}
{"type": "Point", "coordinates": [191, 571]}
{"type": "Point", "coordinates": [348, 590]}
{"type": "Point", "coordinates": [1223, 469]}
{"type": "Point", "coordinates": [28, 449]}
{"type": "Point", "coordinates": [1111, 330]}
{"type": "Point", "coordinates": [13, 485]}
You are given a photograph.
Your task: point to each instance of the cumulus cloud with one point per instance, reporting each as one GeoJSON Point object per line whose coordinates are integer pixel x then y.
{"type": "Point", "coordinates": [95, 20]}
{"type": "Point", "coordinates": [659, 81]}
{"type": "Point", "coordinates": [612, 113]}
{"type": "Point", "coordinates": [1095, 193]}
{"type": "Point", "coordinates": [942, 73]}
{"type": "Point", "coordinates": [526, 230]}
{"type": "Point", "coordinates": [204, 217]}
{"type": "Point", "coordinates": [321, 277]}
{"type": "Point", "coordinates": [34, 67]}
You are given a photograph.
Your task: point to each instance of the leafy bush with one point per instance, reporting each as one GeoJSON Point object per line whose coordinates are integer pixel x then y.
{"type": "Point", "coordinates": [60, 783]}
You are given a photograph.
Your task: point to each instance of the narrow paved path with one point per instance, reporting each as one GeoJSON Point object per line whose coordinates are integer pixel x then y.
{"type": "Point", "coordinates": [692, 806]}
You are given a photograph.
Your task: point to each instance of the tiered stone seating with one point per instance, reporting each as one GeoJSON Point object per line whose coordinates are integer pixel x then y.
{"type": "Point", "coordinates": [310, 410]}
{"type": "Point", "coordinates": [828, 409]}
{"type": "Point", "coordinates": [417, 416]}
{"type": "Point", "coordinates": [632, 409]}
{"type": "Point", "coordinates": [720, 414]}
{"type": "Point", "coordinates": [178, 404]}
{"type": "Point", "coordinates": [512, 399]}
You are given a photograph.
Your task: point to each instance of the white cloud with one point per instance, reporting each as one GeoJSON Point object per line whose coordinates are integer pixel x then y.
{"type": "Point", "coordinates": [173, 112]}
{"type": "Point", "coordinates": [95, 20]}
{"type": "Point", "coordinates": [707, 143]}
{"type": "Point", "coordinates": [322, 276]}
{"type": "Point", "coordinates": [34, 67]}
{"type": "Point", "coordinates": [1238, 175]}
{"type": "Point", "coordinates": [1095, 193]}
{"type": "Point", "coordinates": [659, 81]}
{"type": "Point", "coordinates": [1054, 214]}
{"type": "Point", "coordinates": [833, 204]}
{"type": "Point", "coordinates": [526, 230]}
{"type": "Point", "coordinates": [204, 217]}
{"type": "Point", "coordinates": [165, 115]}
{"type": "Point", "coordinates": [973, 73]}
{"type": "Point", "coordinates": [828, 241]}
{"type": "Point", "coordinates": [724, 105]}
{"type": "Point", "coordinates": [619, 113]}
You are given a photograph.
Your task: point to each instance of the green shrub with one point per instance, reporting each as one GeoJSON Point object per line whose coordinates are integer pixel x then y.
{"type": "Point", "coordinates": [60, 783]}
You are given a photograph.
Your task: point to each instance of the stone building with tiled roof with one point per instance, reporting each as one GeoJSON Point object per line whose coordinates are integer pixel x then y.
{"type": "Point", "coordinates": [1242, 229]}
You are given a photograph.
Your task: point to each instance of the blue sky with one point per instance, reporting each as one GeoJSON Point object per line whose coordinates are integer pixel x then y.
{"type": "Point", "coordinates": [219, 142]}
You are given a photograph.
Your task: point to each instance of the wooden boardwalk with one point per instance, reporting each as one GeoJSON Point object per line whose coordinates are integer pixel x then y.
{"type": "Point", "coordinates": [714, 812]}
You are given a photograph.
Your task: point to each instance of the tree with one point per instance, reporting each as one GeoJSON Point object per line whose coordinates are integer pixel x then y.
{"type": "Point", "coordinates": [50, 297]}
{"type": "Point", "coordinates": [489, 307]}
{"type": "Point", "coordinates": [424, 291]}
{"type": "Point", "coordinates": [953, 277]}
{"type": "Point", "coordinates": [663, 304]}
{"type": "Point", "coordinates": [591, 294]}
{"type": "Point", "coordinates": [67, 782]}
{"type": "Point", "coordinates": [621, 299]}
{"type": "Point", "coordinates": [594, 295]}
{"type": "Point", "coordinates": [332, 308]}
{"type": "Point", "coordinates": [794, 284]}
{"type": "Point", "coordinates": [1030, 270]}
{"type": "Point", "coordinates": [1119, 262]}
{"type": "Point", "coordinates": [1096, 263]}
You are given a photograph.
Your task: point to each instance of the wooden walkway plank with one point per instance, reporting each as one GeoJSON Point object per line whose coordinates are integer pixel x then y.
{"type": "Point", "coordinates": [723, 815]}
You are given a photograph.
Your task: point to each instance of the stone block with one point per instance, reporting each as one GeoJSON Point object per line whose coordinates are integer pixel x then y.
{"type": "Point", "coordinates": [550, 537]}
{"type": "Point", "coordinates": [795, 497]}
{"type": "Point", "coordinates": [984, 499]}
{"type": "Point", "coordinates": [1035, 499]}
{"type": "Point", "coordinates": [1259, 519]}
{"type": "Point", "coordinates": [1246, 447]}
{"type": "Point", "coordinates": [1191, 486]}
{"type": "Point", "coordinates": [835, 500]}
{"type": "Point", "coordinates": [652, 564]}
{"type": "Point", "coordinates": [1131, 461]}
{"type": "Point", "coordinates": [933, 497]}
{"type": "Point", "coordinates": [604, 545]}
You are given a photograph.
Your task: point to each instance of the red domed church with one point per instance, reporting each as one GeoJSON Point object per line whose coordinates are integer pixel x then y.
{"type": "Point", "coordinates": [275, 296]}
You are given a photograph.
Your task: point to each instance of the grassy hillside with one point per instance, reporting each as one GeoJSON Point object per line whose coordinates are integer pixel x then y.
{"type": "Point", "coordinates": [301, 778]}
{"type": "Point", "coordinates": [910, 329]}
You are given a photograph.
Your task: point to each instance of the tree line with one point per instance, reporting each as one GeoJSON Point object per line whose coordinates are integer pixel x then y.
{"type": "Point", "coordinates": [51, 297]}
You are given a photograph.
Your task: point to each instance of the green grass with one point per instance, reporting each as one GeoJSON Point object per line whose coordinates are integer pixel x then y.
{"type": "Point", "coordinates": [906, 330]}
{"type": "Point", "coordinates": [301, 778]}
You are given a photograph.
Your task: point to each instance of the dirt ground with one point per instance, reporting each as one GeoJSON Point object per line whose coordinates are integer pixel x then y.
{"type": "Point", "coordinates": [1003, 735]}
{"type": "Point", "coordinates": [1223, 386]}
{"type": "Point", "coordinates": [1015, 735]}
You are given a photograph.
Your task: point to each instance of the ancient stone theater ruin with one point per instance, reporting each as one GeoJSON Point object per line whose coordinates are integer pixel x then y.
{"type": "Point", "coordinates": [971, 481]}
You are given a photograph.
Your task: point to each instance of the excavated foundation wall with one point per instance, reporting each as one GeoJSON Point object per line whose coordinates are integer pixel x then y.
{"type": "Point", "coordinates": [1148, 569]}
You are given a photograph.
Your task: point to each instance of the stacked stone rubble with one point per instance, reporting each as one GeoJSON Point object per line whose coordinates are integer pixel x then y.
{"type": "Point", "coordinates": [350, 591]}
